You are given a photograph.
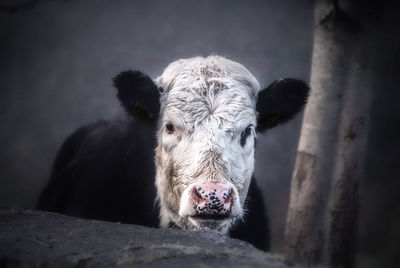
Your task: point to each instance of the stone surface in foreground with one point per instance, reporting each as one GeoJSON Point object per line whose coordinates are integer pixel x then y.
{"type": "Point", "coordinates": [43, 239]}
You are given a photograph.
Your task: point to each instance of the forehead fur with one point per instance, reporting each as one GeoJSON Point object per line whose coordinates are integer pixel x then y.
{"type": "Point", "coordinates": [198, 87]}
{"type": "Point", "coordinates": [199, 72]}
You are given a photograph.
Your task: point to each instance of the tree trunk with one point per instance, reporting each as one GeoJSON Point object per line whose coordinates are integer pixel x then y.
{"type": "Point", "coordinates": [348, 171]}
{"type": "Point", "coordinates": [321, 218]}
{"type": "Point", "coordinates": [351, 151]}
{"type": "Point", "coordinates": [305, 230]}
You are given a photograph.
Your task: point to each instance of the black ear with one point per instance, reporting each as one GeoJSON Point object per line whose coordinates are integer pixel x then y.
{"type": "Point", "coordinates": [280, 102]}
{"type": "Point", "coordinates": [138, 95]}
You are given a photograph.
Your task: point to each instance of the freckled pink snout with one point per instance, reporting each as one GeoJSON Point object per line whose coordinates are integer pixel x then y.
{"type": "Point", "coordinates": [212, 199]}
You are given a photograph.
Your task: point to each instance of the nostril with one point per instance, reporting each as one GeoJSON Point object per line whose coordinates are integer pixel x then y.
{"type": "Point", "coordinates": [196, 194]}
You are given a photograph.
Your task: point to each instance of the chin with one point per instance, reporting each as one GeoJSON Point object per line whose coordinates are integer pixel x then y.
{"type": "Point", "coordinates": [220, 223]}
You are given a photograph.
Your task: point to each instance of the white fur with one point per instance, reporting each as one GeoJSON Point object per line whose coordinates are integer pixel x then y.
{"type": "Point", "coordinates": [210, 101]}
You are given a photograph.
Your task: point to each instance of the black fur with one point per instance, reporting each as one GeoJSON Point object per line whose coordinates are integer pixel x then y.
{"type": "Point", "coordinates": [280, 102]}
{"type": "Point", "coordinates": [138, 95]}
{"type": "Point", "coordinates": [255, 226]}
{"type": "Point", "coordinates": [106, 171]}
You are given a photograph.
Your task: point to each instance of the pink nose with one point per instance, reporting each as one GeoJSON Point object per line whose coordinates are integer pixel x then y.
{"type": "Point", "coordinates": [212, 199]}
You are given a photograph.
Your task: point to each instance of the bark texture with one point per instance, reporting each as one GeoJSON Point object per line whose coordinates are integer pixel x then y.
{"type": "Point", "coordinates": [321, 219]}
{"type": "Point", "coordinates": [351, 157]}
{"type": "Point", "coordinates": [305, 230]}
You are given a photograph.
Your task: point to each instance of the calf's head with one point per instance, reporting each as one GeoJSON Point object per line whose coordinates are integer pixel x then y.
{"type": "Point", "coordinates": [210, 110]}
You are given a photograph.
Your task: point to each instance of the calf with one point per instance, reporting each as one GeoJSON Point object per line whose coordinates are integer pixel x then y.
{"type": "Point", "coordinates": [206, 113]}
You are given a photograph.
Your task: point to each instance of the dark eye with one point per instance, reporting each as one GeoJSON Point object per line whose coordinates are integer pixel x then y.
{"type": "Point", "coordinates": [243, 136]}
{"type": "Point", "coordinates": [170, 128]}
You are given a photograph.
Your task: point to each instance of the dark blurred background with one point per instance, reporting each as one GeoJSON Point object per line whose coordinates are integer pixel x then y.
{"type": "Point", "coordinates": [57, 59]}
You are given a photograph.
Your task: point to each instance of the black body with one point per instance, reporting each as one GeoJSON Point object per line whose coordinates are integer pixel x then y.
{"type": "Point", "coordinates": [106, 171]}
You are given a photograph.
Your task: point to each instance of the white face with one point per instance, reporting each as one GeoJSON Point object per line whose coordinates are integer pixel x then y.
{"type": "Point", "coordinates": [206, 139]}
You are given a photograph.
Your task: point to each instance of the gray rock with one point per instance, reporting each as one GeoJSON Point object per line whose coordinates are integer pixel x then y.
{"type": "Point", "coordinates": [43, 239]}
